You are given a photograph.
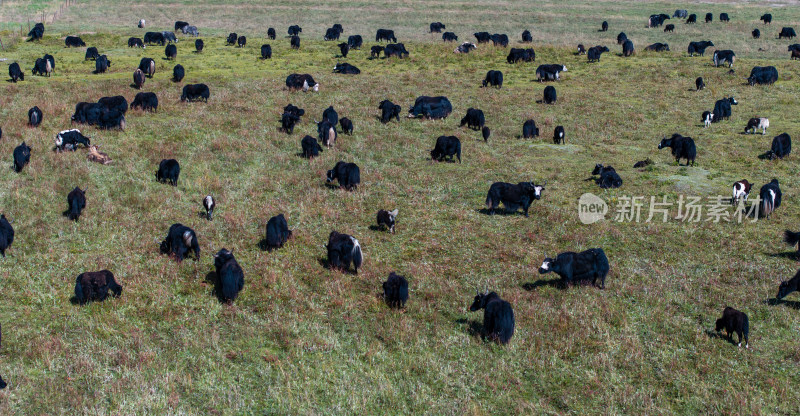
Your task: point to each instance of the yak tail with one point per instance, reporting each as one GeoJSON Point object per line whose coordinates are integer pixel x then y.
{"type": "Point", "coordinates": [74, 211]}
{"type": "Point", "coordinates": [791, 238]}
{"type": "Point", "coordinates": [357, 256]}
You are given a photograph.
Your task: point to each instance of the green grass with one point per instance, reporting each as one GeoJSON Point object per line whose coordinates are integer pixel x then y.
{"type": "Point", "coordinates": [301, 339]}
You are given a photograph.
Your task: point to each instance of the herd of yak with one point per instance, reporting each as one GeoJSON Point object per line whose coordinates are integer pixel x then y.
{"type": "Point", "coordinates": [343, 249]}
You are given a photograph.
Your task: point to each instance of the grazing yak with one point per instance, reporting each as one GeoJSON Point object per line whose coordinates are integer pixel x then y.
{"type": "Point", "coordinates": [525, 55]}
{"type": "Point", "coordinates": [310, 146]}
{"type": "Point", "coordinates": [198, 45]}
{"type": "Point", "coordinates": [190, 30]}
{"type": "Point", "coordinates": [346, 125]}
{"type": "Point", "coordinates": [294, 30]}
{"type": "Point", "coordinates": [386, 219]}
{"type": "Point", "coordinates": [526, 36]}
{"type": "Point", "coordinates": [549, 95]}
{"type": "Point", "coordinates": [720, 57]}
{"type": "Point", "coordinates": [395, 291]}
{"type": "Point", "coordinates": [485, 132]}
{"type": "Point", "coordinates": [658, 47]}
{"type": "Point", "coordinates": [607, 177]}
{"type": "Point", "coordinates": [6, 234]}
{"type": "Point", "coordinates": [70, 139]}
{"type": "Point", "coordinates": [621, 38]}
{"type": "Point", "coordinates": [138, 78]}
{"type": "Point", "coordinates": [301, 81]}
{"type": "Point", "coordinates": [74, 42]}
{"type": "Point", "coordinates": [756, 123]}
{"type": "Point", "coordinates": [657, 20]}
{"type": "Point", "coordinates": [437, 27]}
{"type": "Point", "coordinates": [756, 33]}
{"type": "Point", "coordinates": [591, 264]}
{"type": "Point", "coordinates": [389, 110]}
{"type": "Point", "coordinates": [271, 33]}
{"type": "Point", "coordinates": [766, 18]}
{"type": "Point", "coordinates": [682, 148]}
{"type": "Point", "coordinates": [498, 316]}
{"type": "Point", "coordinates": [343, 249]}
{"type": "Point", "coordinates": [446, 147]}
{"type": "Point", "coordinates": [722, 109]}
{"type": "Point", "coordinates": [154, 37]}
{"type": "Point", "coordinates": [209, 204]}
{"type": "Point", "coordinates": [375, 51]}
{"type": "Point", "coordinates": [763, 75]}
{"type": "Point", "coordinates": [593, 54]}
{"type": "Point", "coordinates": [669, 28]}
{"type": "Point", "coordinates": [93, 54]}
{"type": "Point", "coordinates": [770, 198]}
{"type": "Point", "coordinates": [707, 118]}
{"type": "Point", "coordinates": [178, 73]}
{"type": "Point", "coordinates": [230, 275]}
{"type": "Point", "coordinates": [94, 286]}
{"type": "Point", "coordinates": [449, 37]}
{"type": "Point", "coordinates": [692, 19]}
{"type": "Point", "coordinates": [288, 121]}
{"type": "Point", "coordinates": [76, 202]}
{"type": "Point", "coordinates": [195, 92]}
{"type": "Point", "coordinates": [474, 119]}
{"type": "Point", "coordinates": [558, 135]}
{"type": "Point", "coordinates": [168, 171]}
{"type": "Point", "coordinates": [549, 72]}
{"type": "Point", "coordinates": [36, 33]}
{"type": "Point", "coordinates": [792, 284]}
{"type": "Point", "coordinates": [741, 190]}
{"type": "Point", "coordinates": [294, 42]}
{"type": "Point", "coordinates": [513, 196]}
{"type": "Point", "coordinates": [723, 17]}
{"type": "Point", "coordinates": [22, 155]}
{"type": "Point", "coordinates": [42, 67]}
{"type": "Point", "coordinates": [482, 37]}
{"type": "Point", "coordinates": [734, 321]}
{"type": "Point", "coordinates": [97, 156]}
{"type": "Point", "coordinates": [781, 146]}
{"type": "Point", "coordinates": [680, 13]}
{"type": "Point", "coordinates": [355, 41]}
{"type": "Point", "coordinates": [345, 68]}
{"type": "Point", "coordinates": [581, 49]}
{"type": "Point", "coordinates": [529, 129]}
{"type": "Point", "coordinates": [134, 43]}
{"type": "Point", "coordinates": [101, 64]}
{"type": "Point", "coordinates": [171, 51]}
{"type": "Point", "coordinates": [627, 48]}
{"type": "Point", "coordinates": [465, 47]}
{"type": "Point", "coordinates": [231, 39]}
{"type": "Point", "coordinates": [34, 117]}
{"type": "Point", "coordinates": [709, 17]}
{"type": "Point", "coordinates": [179, 25]}
{"type": "Point", "coordinates": [385, 34]}
{"type": "Point", "coordinates": [604, 26]}
{"type": "Point", "coordinates": [145, 101]}
{"type": "Point", "coordinates": [266, 51]}
{"type": "Point", "coordinates": [331, 34]}
{"type": "Point", "coordinates": [148, 66]}
{"type": "Point", "coordinates": [278, 232]}
{"type": "Point", "coordinates": [395, 49]}
{"type": "Point", "coordinates": [241, 41]}
{"type": "Point", "coordinates": [699, 83]}
{"type": "Point", "coordinates": [787, 32]}
{"type": "Point", "coordinates": [500, 40]}
{"type": "Point", "coordinates": [348, 175]}
{"type": "Point", "coordinates": [699, 47]}
{"type": "Point", "coordinates": [493, 78]}
{"type": "Point", "coordinates": [169, 37]}
{"type": "Point", "coordinates": [430, 108]}
{"type": "Point", "coordinates": [180, 241]}
{"type": "Point", "coordinates": [327, 133]}
{"type": "Point", "coordinates": [344, 49]}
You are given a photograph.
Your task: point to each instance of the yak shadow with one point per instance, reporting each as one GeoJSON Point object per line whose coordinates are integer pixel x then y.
{"type": "Point", "coordinates": [556, 283]}
{"type": "Point", "coordinates": [212, 279]}
{"type": "Point", "coordinates": [378, 228]}
{"type": "Point", "coordinates": [789, 303]}
{"type": "Point", "coordinates": [718, 335]}
{"type": "Point", "coordinates": [499, 211]}
{"type": "Point", "coordinates": [325, 264]}
{"type": "Point", "coordinates": [66, 215]}
{"type": "Point", "coordinates": [74, 300]}
{"type": "Point", "coordinates": [791, 255]}
{"type": "Point", "coordinates": [474, 328]}
{"type": "Point", "coordinates": [766, 155]}
{"type": "Point", "coordinates": [265, 247]}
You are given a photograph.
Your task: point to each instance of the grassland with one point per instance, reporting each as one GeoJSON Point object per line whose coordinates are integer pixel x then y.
{"type": "Point", "coordinates": [301, 339]}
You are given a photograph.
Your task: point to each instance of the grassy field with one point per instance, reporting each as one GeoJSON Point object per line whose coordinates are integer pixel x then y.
{"type": "Point", "coordinates": [301, 339]}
